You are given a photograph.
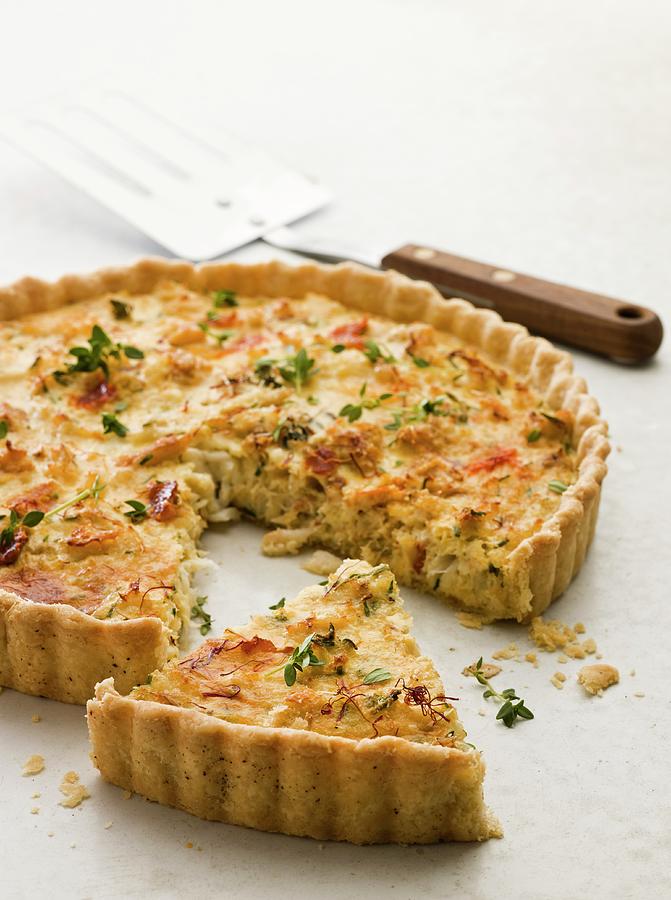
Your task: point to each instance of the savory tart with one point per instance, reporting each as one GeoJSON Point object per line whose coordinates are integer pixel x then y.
{"type": "Point", "coordinates": [319, 718]}
{"type": "Point", "coordinates": [352, 410]}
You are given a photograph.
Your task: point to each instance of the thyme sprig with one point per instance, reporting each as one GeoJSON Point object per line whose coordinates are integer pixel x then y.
{"type": "Point", "coordinates": [512, 706]}
{"type": "Point", "coordinates": [30, 520]}
{"type": "Point", "coordinates": [297, 369]}
{"type": "Point", "coordinates": [138, 510]}
{"type": "Point", "coordinates": [301, 657]}
{"type": "Point", "coordinates": [198, 612]}
{"type": "Point", "coordinates": [97, 354]}
{"type": "Point", "coordinates": [374, 352]}
{"type": "Point", "coordinates": [354, 411]}
{"type": "Point", "coordinates": [377, 675]}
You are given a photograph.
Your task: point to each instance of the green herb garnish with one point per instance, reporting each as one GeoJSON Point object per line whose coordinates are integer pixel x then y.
{"type": "Point", "coordinates": [374, 352]}
{"type": "Point", "coordinates": [354, 411]}
{"type": "Point", "coordinates": [225, 298]}
{"type": "Point", "coordinates": [138, 511]}
{"type": "Point", "coordinates": [420, 362]}
{"type": "Point", "coordinates": [557, 486]}
{"type": "Point", "coordinates": [301, 657]}
{"type": "Point", "coordinates": [30, 520]}
{"type": "Point", "coordinates": [297, 369]}
{"type": "Point", "coordinates": [197, 612]}
{"type": "Point", "coordinates": [279, 604]}
{"type": "Point", "coordinates": [512, 706]}
{"type": "Point", "coordinates": [533, 436]}
{"type": "Point", "coordinates": [112, 425]}
{"type": "Point", "coordinates": [120, 310]}
{"type": "Point", "coordinates": [4, 428]}
{"type": "Point", "coordinates": [377, 675]}
{"type": "Point", "coordinates": [97, 354]}
{"type": "Point", "coordinates": [338, 348]}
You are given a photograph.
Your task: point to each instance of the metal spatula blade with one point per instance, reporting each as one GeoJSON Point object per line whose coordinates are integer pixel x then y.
{"type": "Point", "coordinates": [196, 194]}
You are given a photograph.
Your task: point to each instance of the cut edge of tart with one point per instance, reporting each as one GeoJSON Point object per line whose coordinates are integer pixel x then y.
{"type": "Point", "coordinates": [320, 718]}
{"type": "Point", "coordinates": [57, 650]}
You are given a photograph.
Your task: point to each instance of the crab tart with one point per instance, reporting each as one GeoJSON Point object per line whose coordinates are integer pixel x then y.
{"type": "Point", "coordinates": [320, 718]}
{"type": "Point", "coordinates": [347, 409]}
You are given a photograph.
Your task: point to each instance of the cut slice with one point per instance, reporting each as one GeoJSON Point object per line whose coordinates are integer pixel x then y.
{"type": "Point", "coordinates": [320, 718]}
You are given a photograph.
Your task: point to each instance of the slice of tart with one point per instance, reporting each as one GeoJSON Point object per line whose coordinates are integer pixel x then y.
{"type": "Point", "coordinates": [320, 718]}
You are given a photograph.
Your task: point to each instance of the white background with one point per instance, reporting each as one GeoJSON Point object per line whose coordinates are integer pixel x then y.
{"type": "Point", "coordinates": [535, 135]}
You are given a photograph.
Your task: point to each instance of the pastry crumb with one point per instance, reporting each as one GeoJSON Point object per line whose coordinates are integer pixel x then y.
{"type": "Point", "coordinates": [33, 765]}
{"type": "Point", "coordinates": [639, 694]}
{"type": "Point", "coordinates": [35, 796]}
{"type": "Point", "coordinates": [73, 792]}
{"type": "Point", "coordinates": [321, 563]}
{"type": "Point", "coordinates": [108, 825]}
{"type": "Point", "coordinates": [489, 670]}
{"type": "Point", "coordinates": [189, 845]}
{"type": "Point", "coordinates": [597, 678]}
{"type": "Point", "coordinates": [558, 680]}
{"type": "Point", "coordinates": [35, 811]}
{"type": "Point", "coordinates": [470, 620]}
{"type": "Point", "coordinates": [50, 834]}
{"type": "Point", "coordinates": [633, 672]}
{"type": "Point", "coordinates": [509, 652]}
{"type": "Point", "coordinates": [126, 795]}
{"type": "Point", "coordinates": [35, 718]}
{"type": "Point", "coordinates": [562, 658]}
{"type": "Point", "coordinates": [482, 712]}
{"type": "Point", "coordinates": [553, 635]}
{"type": "Point", "coordinates": [532, 658]}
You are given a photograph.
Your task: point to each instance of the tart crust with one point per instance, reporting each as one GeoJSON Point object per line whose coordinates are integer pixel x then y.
{"type": "Point", "coordinates": [382, 790]}
{"type": "Point", "coordinates": [48, 650]}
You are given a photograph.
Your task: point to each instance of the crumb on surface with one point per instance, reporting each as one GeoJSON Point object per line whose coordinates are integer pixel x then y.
{"type": "Point", "coordinates": [73, 792]}
{"type": "Point", "coordinates": [189, 845]}
{"type": "Point", "coordinates": [470, 620]}
{"type": "Point", "coordinates": [633, 672]}
{"type": "Point", "coordinates": [489, 670]}
{"type": "Point", "coordinates": [598, 677]}
{"type": "Point", "coordinates": [35, 796]}
{"type": "Point", "coordinates": [553, 635]}
{"type": "Point", "coordinates": [33, 765]}
{"type": "Point", "coordinates": [321, 562]}
{"type": "Point", "coordinates": [35, 718]}
{"type": "Point", "coordinates": [482, 712]}
{"type": "Point", "coordinates": [126, 795]}
{"type": "Point", "coordinates": [562, 658]}
{"type": "Point", "coordinates": [108, 825]}
{"type": "Point", "coordinates": [532, 658]}
{"type": "Point", "coordinates": [509, 652]}
{"type": "Point", "coordinates": [558, 680]}
{"type": "Point", "coordinates": [639, 694]}
{"type": "Point", "coordinates": [35, 811]}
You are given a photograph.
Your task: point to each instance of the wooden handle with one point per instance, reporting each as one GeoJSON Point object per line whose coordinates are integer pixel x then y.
{"type": "Point", "coordinates": [623, 331]}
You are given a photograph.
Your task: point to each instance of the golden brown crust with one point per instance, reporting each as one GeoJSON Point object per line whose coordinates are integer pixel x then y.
{"type": "Point", "coordinates": [548, 560]}
{"type": "Point", "coordinates": [295, 782]}
{"type": "Point", "coordinates": [59, 652]}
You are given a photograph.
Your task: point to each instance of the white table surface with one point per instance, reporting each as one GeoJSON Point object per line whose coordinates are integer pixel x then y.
{"type": "Point", "coordinates": [532, 134]}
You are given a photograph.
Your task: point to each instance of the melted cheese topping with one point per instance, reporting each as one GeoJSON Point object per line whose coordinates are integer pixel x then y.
{"type": "Point", "coordinates": [365, 677]}
{"type": "Point", "coordinates": [369, 437]}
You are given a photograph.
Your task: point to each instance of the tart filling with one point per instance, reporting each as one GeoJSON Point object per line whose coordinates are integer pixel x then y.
{"type": "Point", "coordinates": [355, 411]}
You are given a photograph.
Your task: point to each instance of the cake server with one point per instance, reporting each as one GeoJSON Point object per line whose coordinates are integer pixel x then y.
{"type": "Point", "coordinates": [201, 195]}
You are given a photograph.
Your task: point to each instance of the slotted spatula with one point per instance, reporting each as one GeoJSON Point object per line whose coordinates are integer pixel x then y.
{"type": "Point", "coordinates": [202, 195]}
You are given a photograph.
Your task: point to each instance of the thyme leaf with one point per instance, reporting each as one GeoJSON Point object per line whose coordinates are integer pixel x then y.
{"type": "Point", "coordinates": [112, 425]}
{"type": "Point", "coordinates": [197, 612]}
{"type": "Point", "coordinates": [377, 675]}
{"type": "Point", "coordinates": [138, 511]}
{"type": "Point", "coordinates": [557, 486]}
{"type": "Point", "coordinates": [512, 707]}
{"type": "Point", "coordinates": [224, 298]}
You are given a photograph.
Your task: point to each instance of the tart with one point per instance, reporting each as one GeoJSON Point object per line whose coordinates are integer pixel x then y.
{"type": "Point", "coordinates": [320, 718]}
{"type": "Point", "coordinates": [347, 409]}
